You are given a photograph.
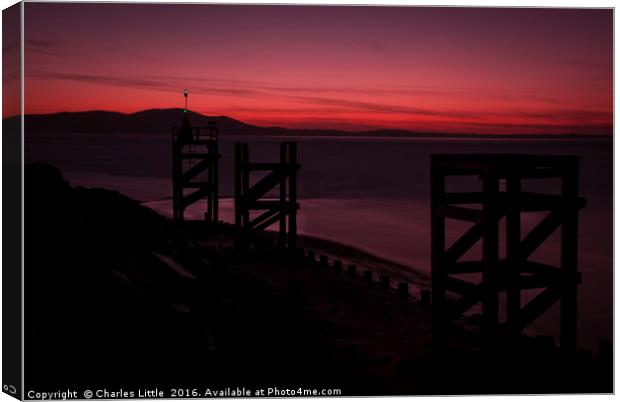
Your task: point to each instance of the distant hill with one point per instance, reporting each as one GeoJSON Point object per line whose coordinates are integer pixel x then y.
{"type": "Point", "coordinates": [147, 121]}
{"type": "Point", "coordinates": [161, 121]}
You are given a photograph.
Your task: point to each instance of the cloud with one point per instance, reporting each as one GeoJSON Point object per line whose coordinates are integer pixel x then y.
{"type": "Point", "coordinates": [377, 107]}
{"type": "Point", "coordinates": [588, 64]}
{"type": "Point", "coordinates": [8, 48]}
{"type": "Point", "coordinates": [152, 83]}
{"type": "Point", "coordinates": [327, 107]}
{"type": "Point", "coordinates": [375, 46]}
{"type": "Point", "coordinates": [45, 47]}
{"type": "Point", "coordinates": [520, 128]}
{"type": "Point", "coordinates": [430, 91]}
{"type": "Point", "coordinates": [218, 81]}
{"type": "Point", "coordinates": [63, 48]}
{"type": "Point", "coordinates": [568, 115]}
{"type": "Point", "coordinates": [219, 87]}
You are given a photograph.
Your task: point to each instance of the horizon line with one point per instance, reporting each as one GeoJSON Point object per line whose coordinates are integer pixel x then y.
{"type": "Point", "coordinates": [442, 133]}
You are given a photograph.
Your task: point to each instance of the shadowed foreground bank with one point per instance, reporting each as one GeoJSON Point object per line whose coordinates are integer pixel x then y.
{"type": "Point", "coordinates": [117, 295]}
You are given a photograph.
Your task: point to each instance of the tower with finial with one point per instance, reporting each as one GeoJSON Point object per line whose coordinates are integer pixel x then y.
{"type": "Point", "coordinates": [186, 128]}
{"type": "Point", "coordinates": [195, 159]}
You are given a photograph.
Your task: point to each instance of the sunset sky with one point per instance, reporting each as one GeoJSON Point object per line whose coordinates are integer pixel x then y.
{"type": "Point", "coordinates": [433, 69]}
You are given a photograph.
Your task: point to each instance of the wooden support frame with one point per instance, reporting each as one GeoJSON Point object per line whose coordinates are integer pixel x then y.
{"type": "Point", "coordinates": [251, 197]}
{"type": "Point", "coordinates": [515, 272]}
{"type": "Point", "coordinates": [195, 159]}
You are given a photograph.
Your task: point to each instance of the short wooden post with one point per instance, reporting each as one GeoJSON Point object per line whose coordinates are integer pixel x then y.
{"type": "Point", "coordinates": [384, 280]}
{"type": "Point", "coordinates": [300, 253]}
{"type": "Point", "coordinates": [403, 290]}
{"type": "Point", "coordinates": [425, 297]}
{"type": "Point", "coordinates": [368, 277]}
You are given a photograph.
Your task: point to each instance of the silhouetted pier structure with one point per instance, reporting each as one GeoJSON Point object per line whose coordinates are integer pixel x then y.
{"type": "Point", "coordinates": [254, 197]}
{"type": "Point", "coordinates": [195, 160]}
{"type": "Point", "coordinates": [516, 271]}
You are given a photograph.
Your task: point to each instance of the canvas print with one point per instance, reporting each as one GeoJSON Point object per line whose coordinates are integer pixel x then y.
{"type": "Point", "coordinates": [228, 200]}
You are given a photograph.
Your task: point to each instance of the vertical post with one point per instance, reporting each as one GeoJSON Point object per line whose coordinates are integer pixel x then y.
{"type": "Point", "coordinates": [569, 233]}
{"type": "Point", "coordinates": [215, 180]}
{"type": "Point", "coordinates": [210, 156]}
{"type": "Point", "coordinates": [238, 192]}
{"type": "Point", "coordinates": [174, 177]}
{"type": "Point", "coordinates": [245, 186]}
{"type": "Point", "coordinates": [438, 230]}
{"type": "Point", "coordinates": [283, 170]}
{"type": "Point", "coordinates": [490, 254]}
{"type": "Point", "coordinates": [177, 175]}
{"type": "Point", "coordinates": [513, 258]}
{"type": "Point", "coordinates": [292, 218]}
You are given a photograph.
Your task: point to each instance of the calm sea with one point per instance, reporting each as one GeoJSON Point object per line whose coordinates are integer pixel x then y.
{"type": "Point", "coordinates": [369, 193]}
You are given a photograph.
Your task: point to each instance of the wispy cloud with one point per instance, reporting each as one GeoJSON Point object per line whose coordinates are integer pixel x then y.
{"type": "Point", "coordinates": [588, 64]}
{"type": "Point", "coordinates": [8, 48]}
{"type": "Point", "coordinates": [151, 83]}
{"type": "Point", "coordinates": [45, 46]}
{"type": "Point", "coordinates": [66, 48]}
{"type": "Point", "coordinates": [309, 102]}
{"type": "Point", "coordinates": [377, 107]}
{"type": "Point", "coordinates": [518, 128]}
{"type": "Point", "coordinates": [375, 46]}
{"type": "Point", "coordinates": [566, 115]}
{"type": "Point", "coordinates": [428, 91]}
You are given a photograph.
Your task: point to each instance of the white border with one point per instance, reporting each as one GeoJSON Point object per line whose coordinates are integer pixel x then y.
{"type": "Point", "coordinates": [462, 3]}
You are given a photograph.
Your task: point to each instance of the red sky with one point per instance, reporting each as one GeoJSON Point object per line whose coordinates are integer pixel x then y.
{"type": "Point", "coordinates": [434, 69]}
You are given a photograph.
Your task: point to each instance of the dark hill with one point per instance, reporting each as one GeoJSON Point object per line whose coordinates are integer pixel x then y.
{"type": "Point", "coordinates": [147, 121]}
{"type": "Point", "coordinates": [161, 121]}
